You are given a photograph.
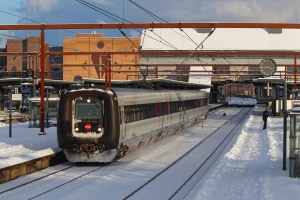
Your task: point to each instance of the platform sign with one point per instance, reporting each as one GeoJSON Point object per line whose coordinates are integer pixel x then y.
{"type": "Point", "coordinates": [15, 90]}
{"type": "Point", "coordinates": [25, 90]}
{"type": "Point", "coordinates": [17, 97]}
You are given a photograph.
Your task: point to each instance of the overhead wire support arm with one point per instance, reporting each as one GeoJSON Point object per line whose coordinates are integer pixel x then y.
{"type": "Point", "coordinates": [132, 43]}
{"type": "Point", "coordinates": [158, 19]}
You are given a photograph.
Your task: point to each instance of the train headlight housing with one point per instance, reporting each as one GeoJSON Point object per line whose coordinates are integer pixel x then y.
{"type": "Point", "coordinates": [76, 127]}
{"type": "Point", "coordinates": [99, 128]}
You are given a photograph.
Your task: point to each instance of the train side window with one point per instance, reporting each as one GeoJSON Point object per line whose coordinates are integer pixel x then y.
{"type": "Point", "coordinates": [152, 110]}
{"type": "Point", "coordinates": [126, 109]}
{"type": "Point", "coordinates": [171, 107]}
{"type": "Point", "coordinates": [141, 112]}
{"type": "Point", "coordinates": [137, 113]}
{"type": "Point", "coordinates": [147, 111]}
{"type": "Point", "coordinates": [157, 109]}
{"type": "Point", "coordinates": [131, 115]}
{"type": "Point", "coordinates": [162, 109]}
{"type": "Point", "coordinates": [166, 108]}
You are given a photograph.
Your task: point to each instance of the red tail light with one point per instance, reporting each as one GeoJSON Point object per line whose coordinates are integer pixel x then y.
{"type": "Point", "coordinates": [88, 127]}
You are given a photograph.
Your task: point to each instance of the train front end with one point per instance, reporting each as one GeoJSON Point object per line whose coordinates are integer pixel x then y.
{"type": "Point", "coordinates": [88, 127]}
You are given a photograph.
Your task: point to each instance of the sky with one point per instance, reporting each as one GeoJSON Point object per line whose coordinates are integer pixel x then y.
{"type": "Point", "coordinates": [71, 11]}
{"type": "Point", "coordinates": [249, 168]}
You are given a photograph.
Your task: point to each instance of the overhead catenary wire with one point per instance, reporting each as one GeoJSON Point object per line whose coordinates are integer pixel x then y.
{"type": "Point", "coordinates": [132, 43]}
{"type": "Point", "coordinates": [30, 19]}
{"type": "Point", "coordinates": [160, 19]}
{"type": "Point", "coordinates": [106, 13]}
{"type": "Point", "coordinates": [199, 45]}
{"type": "Point", "coordinates": [57, 65]}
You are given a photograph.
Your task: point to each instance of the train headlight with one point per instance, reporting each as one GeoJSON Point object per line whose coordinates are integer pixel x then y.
{"type": "Point", "coordinates": [99, 129]}
{"type": "Point", "coordinates": [76, 129]}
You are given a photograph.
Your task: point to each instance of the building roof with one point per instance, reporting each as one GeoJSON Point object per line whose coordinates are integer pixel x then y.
{"type": "Point", "coordinates": [222, 39]}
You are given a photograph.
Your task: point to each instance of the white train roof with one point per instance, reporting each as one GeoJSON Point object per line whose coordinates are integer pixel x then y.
{"type": "Point", "coordinates": [163, 83]}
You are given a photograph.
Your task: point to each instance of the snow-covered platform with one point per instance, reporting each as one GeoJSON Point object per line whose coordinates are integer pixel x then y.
{"type": "Point", "coordinates": [16, 117]}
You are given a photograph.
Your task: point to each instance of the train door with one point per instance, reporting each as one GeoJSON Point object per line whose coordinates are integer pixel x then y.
{"type": "Point", "coordinates": [122, 120]}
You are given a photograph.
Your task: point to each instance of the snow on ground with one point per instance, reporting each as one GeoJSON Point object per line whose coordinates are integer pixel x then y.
{"type": "Point", "coordinates": [251, 165]}
{"type": "Point", "coordinates": [249, 168]}
{"type": "Point", "coordinates": [25, 144]}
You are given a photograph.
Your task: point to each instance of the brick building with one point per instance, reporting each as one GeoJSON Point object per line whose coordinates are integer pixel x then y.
{"type": "Point", "coordinates": [60, 67]}
{"type": "Point", "coordinates": [19, 63]}
{"type": "Point", "coordinates": [89, 66]}
{"type": "Point", "coordinates": [3, 60]}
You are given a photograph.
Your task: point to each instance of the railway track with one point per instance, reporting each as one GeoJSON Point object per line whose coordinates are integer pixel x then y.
{"type": "Point", "coordinates": [180, 163]}
{"type": "Point", "coordinates": [188, 167]}
{"type": "Point", "coordinates": [70, 170]}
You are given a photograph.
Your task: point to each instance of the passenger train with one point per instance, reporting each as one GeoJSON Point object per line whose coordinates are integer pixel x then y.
{"type": "Point", "coordinates": [103, 124]}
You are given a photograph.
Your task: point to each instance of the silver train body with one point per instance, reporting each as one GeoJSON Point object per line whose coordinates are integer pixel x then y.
{"type": "Point", "coordinates": [124, 119]}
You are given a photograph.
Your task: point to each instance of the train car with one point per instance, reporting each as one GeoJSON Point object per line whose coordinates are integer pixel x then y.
{"type": "Point", "coordinates": [100, 125]}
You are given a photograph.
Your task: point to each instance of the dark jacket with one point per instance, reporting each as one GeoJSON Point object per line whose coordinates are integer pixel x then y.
{"type": "Point", "coordinates": [265, 115]}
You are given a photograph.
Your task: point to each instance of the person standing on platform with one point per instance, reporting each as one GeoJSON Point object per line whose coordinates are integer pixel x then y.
{"type": "Point", "coordinates": [265, 117]}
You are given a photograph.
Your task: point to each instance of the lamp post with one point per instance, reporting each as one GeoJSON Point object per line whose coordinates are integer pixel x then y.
{"type": "Point", "coordinates": [9, 88]}
{"type": "Point", "coordinates": [47, 106]}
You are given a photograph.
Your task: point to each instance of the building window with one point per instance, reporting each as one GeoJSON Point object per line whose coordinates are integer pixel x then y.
{"type": "Point", "coordinates": [24, 45]}
{"type": "Point", "coordinates": [204, 30]}
{"type": "Point", "coordinates": [100, 44]}
{"type": "Point", "coordinates": [24, 63]}
{"type": "Point", "coordinates": [274, 30]}
{"type": "Point", "coordinates": [55, 62]}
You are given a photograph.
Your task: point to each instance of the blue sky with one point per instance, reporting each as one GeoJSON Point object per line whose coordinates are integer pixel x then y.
{"type": "Point", "coordinates": [9, 6]}
{"type": "Point", "coordinates": [71, 11]}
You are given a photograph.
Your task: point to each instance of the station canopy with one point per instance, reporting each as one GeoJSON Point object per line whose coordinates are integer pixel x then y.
{"type": "Point", "coordinates": [155, 83]}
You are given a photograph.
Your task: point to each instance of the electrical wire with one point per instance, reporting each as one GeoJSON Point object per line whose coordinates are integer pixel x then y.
{"type": "Point", "coordinates": [30, 19]}
{"type": "Point", "coordinates": [103, 12]}
{"type": "Point", "coordinates": [160, 19]}
{"type": "Point", "coordinates": [199, 45]}
{"type": "Point", "coordinates": [132, 42]}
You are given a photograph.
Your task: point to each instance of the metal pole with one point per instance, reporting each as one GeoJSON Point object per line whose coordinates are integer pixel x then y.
{"type": "Point", "coordinates": [42, 65]}
{"type": "Point", "coordinates": [295, 76]}
{"type": "Point", "coordinates": [47, 113]}
{"type": "Point", "coordinates": [284, 124]}
{"type": "Point", "coordinates": [10, 105]}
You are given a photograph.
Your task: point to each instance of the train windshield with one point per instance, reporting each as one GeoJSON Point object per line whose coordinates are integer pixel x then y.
{"type": "Point", "coordinates": [88, 108]}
